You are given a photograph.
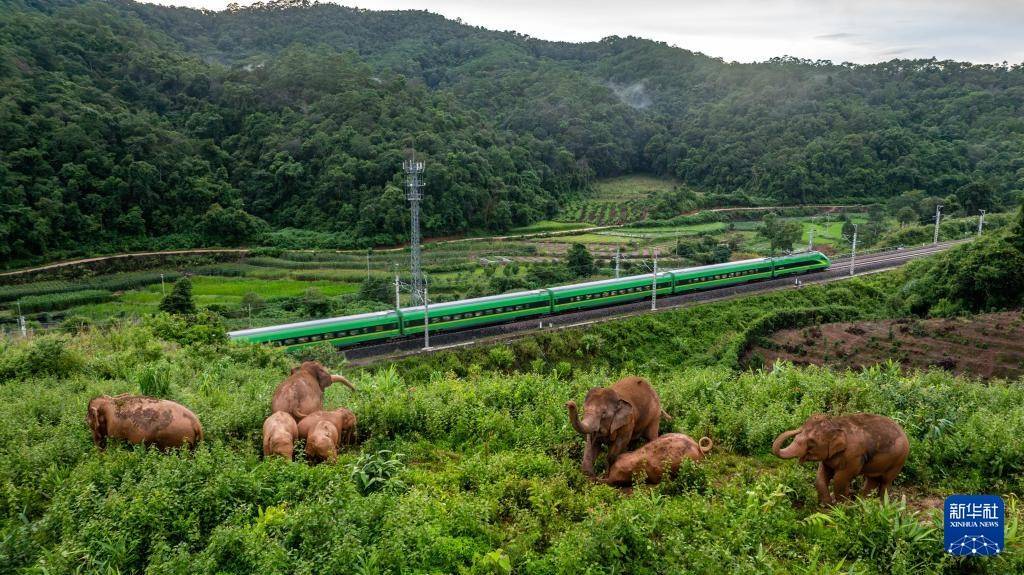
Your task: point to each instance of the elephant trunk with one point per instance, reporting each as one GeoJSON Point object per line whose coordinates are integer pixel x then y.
{"type": "Point", "coordinates": [574, 418]}
{"type": "Point", "coordinates": [789, 452]}
{"type": "Point", "coordinates": [342, 379]}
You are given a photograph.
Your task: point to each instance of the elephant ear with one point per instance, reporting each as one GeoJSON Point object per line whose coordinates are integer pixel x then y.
{"type": "Point", "coordinates": [623, 415]}
{"type": "Point", "coordinates": [323, 377]}
{"type": "Point", "coordinates": [838, 443]}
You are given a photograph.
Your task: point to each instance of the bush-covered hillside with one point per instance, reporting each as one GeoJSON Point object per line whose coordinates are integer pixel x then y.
{"type": "Point", "coordinates": [489, 479]}
{"type": "Point", "coordinates": [139, 126]}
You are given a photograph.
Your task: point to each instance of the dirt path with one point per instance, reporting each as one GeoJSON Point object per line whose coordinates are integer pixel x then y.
{"type": "Point", "coordinates": [81, 261]}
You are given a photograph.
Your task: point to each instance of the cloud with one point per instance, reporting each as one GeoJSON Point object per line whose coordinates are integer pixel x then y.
{"type": "Point", "coordinates": [836, 36]}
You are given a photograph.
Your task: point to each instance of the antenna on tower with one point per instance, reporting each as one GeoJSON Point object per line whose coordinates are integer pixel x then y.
{"type": "Point", "coordinates": [414, 194]}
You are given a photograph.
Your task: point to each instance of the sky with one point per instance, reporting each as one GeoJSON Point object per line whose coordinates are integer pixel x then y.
{"type": "Point", "coordinates": [860, 31]}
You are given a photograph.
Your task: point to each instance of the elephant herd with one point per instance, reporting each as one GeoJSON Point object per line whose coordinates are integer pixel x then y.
{"type": "Point", "coordinates": [615, 416]}
{"type": "Point", "coordinates": [296, 413]}
{"type": "Point", "coordinates": [846, 446]}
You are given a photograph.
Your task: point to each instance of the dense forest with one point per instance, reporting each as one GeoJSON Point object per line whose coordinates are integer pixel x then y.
{"type": "Point", "coordinates": [132, 126]}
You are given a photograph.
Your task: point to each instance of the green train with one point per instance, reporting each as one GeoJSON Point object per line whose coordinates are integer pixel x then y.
{"type": "Point", "coordinates": [409, 321]}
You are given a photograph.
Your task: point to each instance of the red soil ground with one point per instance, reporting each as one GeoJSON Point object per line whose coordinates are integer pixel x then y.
{"type": "Point", "coordinates": [986, 346]}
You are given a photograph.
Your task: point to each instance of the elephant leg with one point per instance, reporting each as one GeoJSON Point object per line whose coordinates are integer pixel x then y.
{"type": "Point", "coordinates": [589, 453]}
{"type": "Point", "coordinates": [821, 482]}
{"type": "Point", "coordinates": [619, 446]}
{"type": "Point", "coordinates": [841, 484]}
{"type": "Point", "coordinates": [886, 483]}
{"type": "Point", "coordinates": [651, 433]}
{"type": "Point", "coordinates": [869, 484]}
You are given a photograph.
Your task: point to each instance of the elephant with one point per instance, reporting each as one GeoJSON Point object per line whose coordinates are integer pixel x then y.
{"type": "Point", "coordinates": [322, 442]}
{"type": "Point", "coordinates": [279, 434]}
{"type": "Point", "coordinates": [142, 420]}
{"type": "Point", "coordinates": [666, 452]}
{"type": "Point", "coordinates": [343, 419]}
{"type": "Point", "coordinates": [847, 446]}
{"type": "Point", "coordinates": [302, 392]}
{"type": "Point", "coordinates": [616, 415]}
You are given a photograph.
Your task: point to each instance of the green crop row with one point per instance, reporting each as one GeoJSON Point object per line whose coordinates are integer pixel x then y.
{"type": "Point", "coordinates": [58, 301]}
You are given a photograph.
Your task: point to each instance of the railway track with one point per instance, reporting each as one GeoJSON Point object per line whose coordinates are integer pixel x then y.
{"type": "Point", "coordinates": [865, 264]}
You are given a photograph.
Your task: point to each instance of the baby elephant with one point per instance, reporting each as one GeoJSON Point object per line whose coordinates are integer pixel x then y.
{"type": "Point", "coordinates": [860, 444]}
{"type": "Point", "coordinates": [279, 434]}
{"type": "Point", "coordinates": [665, 453]}
{"type": "Point", "coordinates": [343, 419]}
{"type": "Point", "coordinates": [322, 443]}
{"type": "Point", "coordinates": [145, 420]}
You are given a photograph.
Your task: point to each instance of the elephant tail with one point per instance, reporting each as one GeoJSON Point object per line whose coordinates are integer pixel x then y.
{"type": "Point", "coordinates": [665, 415]}
{"type": "Point", "coordinates": [705, 444]}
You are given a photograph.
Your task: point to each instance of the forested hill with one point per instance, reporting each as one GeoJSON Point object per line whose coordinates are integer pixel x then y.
{"type": "Point", "coordinates": [133, 125]}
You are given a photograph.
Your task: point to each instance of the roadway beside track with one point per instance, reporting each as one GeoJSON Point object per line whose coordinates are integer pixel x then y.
{"type": "Point", "coordinates": [839, 270]}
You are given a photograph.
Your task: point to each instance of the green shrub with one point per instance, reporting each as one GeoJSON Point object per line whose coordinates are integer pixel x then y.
{"type": "Point", "coordinates": [374, 471]}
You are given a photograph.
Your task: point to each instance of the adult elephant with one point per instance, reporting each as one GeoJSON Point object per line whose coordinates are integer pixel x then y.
{"type": "Point", "coordinates": [302, 392]}
{"type": "Point", "coordinates": [616, 415]}
{"type": "Point", "coordinates": [847, 446]}
{"type": "Point", "coordinates": [142, 420]}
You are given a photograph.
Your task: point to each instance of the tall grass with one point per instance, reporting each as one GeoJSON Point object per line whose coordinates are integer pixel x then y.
{"type": "Point", "coordinates": [490, 475]}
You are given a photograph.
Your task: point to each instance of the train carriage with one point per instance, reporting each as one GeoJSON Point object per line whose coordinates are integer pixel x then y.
{"type": "Point", "coordinates": [719, 275]}
{"type": "Point", "coordinates": [607, 292]}
{"type": "Point", "coordinates": [477, 311]}
{"type": "Point", "coordinates": [340, 331]}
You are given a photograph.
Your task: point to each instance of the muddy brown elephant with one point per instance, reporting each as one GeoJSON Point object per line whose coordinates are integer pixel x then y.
{"type": "Point", "coordinates": [656, 457]}
{"type": "Point", "coordinates": [279, 434]}
{"type": "Point", "coordinates": [143, 420]}
{"type": "Point", "coordinates": [302, 392]}
{"type": "Point", "coordinates": [616, 415]}
{"type": "Point", "coordinates": [847, 446]}
{"type": "Point", "coordinates": [322, 442]}
{"type": "Point", "coordinates": [343, 419]}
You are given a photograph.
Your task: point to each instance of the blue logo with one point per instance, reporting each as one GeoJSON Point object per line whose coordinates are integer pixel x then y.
{"type": "Point", "coordinates": [973, 524]}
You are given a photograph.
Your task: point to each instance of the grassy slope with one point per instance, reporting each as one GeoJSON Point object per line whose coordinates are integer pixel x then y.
{"type": "Point", "coordinates": [492, 473]}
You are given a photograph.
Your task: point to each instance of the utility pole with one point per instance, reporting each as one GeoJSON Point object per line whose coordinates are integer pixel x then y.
{"type": "Point", "coordinates": [368, 251]}
{"type": "Point", "coordinates": [981, 221]}
{"type": "Point", "coordinates": [162, 290]}
{"type": "Point", "coordinates": [398, 297]}
{"type": "Point", "coordinates": [22, 324]}
{"type": "Point", "coordinates": [853, 252]}
{"type": "Point", "coordinates": [810, 242]}
{"type": "Point", "coordinates": [938, 218]}
{"type": "Point", "coordinates": [413, 169]}
{"type": "Point", "coordinates": [426, 316]}
{"type": "Point", "coordinates": [654, 284]}
{"type": "Point", "coordinates": [617, 258]}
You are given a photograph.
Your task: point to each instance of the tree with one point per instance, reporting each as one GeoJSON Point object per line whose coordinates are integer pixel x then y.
{"type": "Point", "coordinates": [579, 261]}
{"type": "Point", "coordinates": [781, 234]}
{"type": "Point", "coordinates": [975, 196]}
{"type": "Point", "coordinates": [1016, 237]}
{"type": "Point", "coordinates": [179, 301]}
{"type": "Point", "coordinates": [907, 215]}
{"type": "Point", "coordinates": [377, 289]}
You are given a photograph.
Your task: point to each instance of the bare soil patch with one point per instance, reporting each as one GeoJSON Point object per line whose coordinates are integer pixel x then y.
{"type": "Point", "coordinates": [986, 345]}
